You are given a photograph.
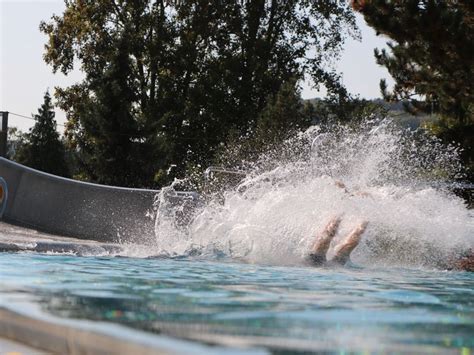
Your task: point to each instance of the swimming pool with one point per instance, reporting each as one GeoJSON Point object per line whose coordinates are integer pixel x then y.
{"type": "Point", "coordinates": [231, 270]}
{"type": "Point", "coordinates": [275, 307]}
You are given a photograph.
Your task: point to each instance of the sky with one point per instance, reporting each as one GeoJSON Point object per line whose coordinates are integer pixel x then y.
{"type": "Point", "coordinates": [24, 76]}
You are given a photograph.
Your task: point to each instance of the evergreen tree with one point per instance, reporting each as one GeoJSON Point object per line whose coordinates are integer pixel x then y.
{"type": "Point", "coordinates": [109, 151]}
{"type": "Point", "coordinates": [431, 58]}
{"type": "Point", "coordinates": [431, 53]}
{"type": "Point", "coordinates": [42, 149]}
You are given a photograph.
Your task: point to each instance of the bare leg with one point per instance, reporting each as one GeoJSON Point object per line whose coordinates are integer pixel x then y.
{"type": "Point", "coordinates": [322, 242]}
{"type": "Point", "coordinates": [344, 249]}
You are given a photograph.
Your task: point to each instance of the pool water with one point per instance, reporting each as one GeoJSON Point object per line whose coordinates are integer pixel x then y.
{"type": "Point", "coordinates": [279, 308]}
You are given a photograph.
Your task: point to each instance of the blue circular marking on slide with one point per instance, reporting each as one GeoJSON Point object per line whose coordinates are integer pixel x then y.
{"type": "Point", "coordinates": [3, 196]}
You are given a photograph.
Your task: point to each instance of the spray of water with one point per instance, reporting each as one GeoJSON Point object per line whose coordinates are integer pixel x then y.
{"type": "Point", "coordinates": [395, 179]}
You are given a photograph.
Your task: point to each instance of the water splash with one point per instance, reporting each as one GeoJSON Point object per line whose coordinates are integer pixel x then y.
{"type": "Point", "coordinates": [396, 179]}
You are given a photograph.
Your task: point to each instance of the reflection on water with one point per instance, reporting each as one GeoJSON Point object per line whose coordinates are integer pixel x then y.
{"type": "Point", "coordinates": [291, 308]}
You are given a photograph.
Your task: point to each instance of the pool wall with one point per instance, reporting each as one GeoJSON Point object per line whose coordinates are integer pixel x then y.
{"type": "Point", "coordinates": [78, 209]}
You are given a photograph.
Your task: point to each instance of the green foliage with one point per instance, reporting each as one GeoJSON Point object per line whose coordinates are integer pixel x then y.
{"type": "Point", "coordinates": [108, 152]}
{"type": "Point", "coordinates": [168, 82]}
{"type": "Point", "coordinates": [282, 117]}
{"type": "Point", "coordinates": [431, 52]}
{"type": "Point", "coordinates": [41, 148]}
{"type": "Point", "coordinates": [346, 109]}
{"type": "Point", "coordinates": [431, 59]}
{"type": "Point", "coordinates": [15, 142]}
{"type": "Point", "coordinates": [450, 130]}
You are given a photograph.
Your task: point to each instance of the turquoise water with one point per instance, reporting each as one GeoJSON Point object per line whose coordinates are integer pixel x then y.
{"type": "Point", "coordinates": [280, 308]}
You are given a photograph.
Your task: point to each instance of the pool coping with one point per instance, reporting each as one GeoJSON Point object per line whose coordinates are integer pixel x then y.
{"type": "Point", "coordinates": [73, 336]}
{"type": "Point", "coordinates": [8, 346]}
{"type": "Point", "coordinates": [15, 239]}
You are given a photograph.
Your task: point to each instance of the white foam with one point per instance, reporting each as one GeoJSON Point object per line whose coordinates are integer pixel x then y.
{"type": "Point", "coordinates": [273, 215]}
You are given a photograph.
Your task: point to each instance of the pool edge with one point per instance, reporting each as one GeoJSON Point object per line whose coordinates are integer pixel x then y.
{"type": "Point", "coordinates": [62, 337]}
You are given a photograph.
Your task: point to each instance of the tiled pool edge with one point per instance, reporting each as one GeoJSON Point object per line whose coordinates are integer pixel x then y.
{"type": "Point", "coordinates": [63, 338]}
{"type": "Point", "coordinates": [8, 346]}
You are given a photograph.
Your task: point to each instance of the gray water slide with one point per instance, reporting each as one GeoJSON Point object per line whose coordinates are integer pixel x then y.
{"type": "Point", "coordinates": [66, 207]}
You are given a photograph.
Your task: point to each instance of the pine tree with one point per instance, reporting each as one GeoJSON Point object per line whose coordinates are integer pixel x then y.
{"type": "Point", "coordinates": [108, 152]}
{"type": "Point", "coordinates": [42, 148]}
{"type": "Point", "coordinates": [431, 58]}
{"type": "Point", "coordinates": [431, 53]}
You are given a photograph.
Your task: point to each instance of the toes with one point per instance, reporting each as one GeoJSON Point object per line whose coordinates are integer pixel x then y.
{"type": "Point", "coordinates": [333, 225]}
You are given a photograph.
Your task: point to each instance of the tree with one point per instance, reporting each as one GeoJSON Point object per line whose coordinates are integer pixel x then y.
{"type": "Point", "coordinates": [346, 109]}
{"type": "Point", "coordinates": [41, 148]}
{"type": "Point", "coordinates": [109, 151]}
{"type": "Point", "coordinates": [432, 52]}
{"type": "Point", "coordinates": [282, 116]}
{"type": "Point", "coordinates": [431, 59]}
{"type": "Point", "coordinates": [198, 70]}
{"type": "Point", "coordinates": [15, 142]}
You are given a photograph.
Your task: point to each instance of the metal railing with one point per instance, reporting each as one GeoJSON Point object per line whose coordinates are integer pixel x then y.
{"type": "Point", "coordinates": [218, 169]}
